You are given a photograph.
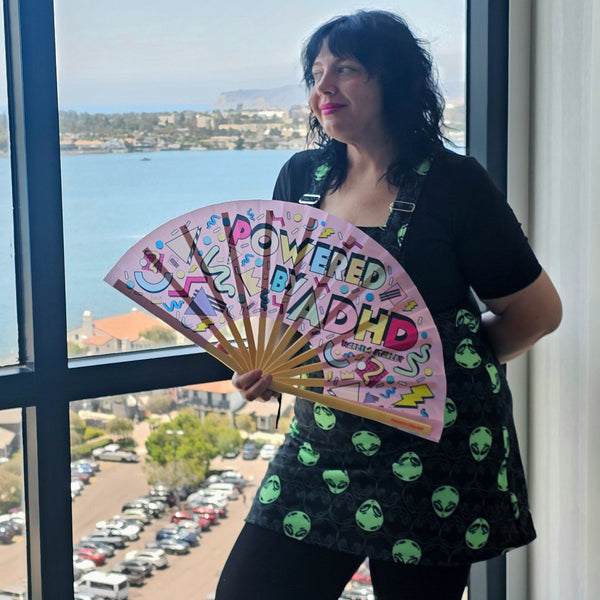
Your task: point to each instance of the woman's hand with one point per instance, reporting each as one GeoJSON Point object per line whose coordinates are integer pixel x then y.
{"type": "Point", "coordinates": [253, 385]}
{"type": "Point", "coordinates": [517, 321]}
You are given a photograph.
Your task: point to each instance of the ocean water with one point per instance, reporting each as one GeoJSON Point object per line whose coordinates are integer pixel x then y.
{"type": "Point", "coordinates": [112, 200]}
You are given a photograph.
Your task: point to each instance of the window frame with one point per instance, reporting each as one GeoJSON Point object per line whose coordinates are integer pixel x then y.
{"type": "Point", "coordinates": [46, 381]}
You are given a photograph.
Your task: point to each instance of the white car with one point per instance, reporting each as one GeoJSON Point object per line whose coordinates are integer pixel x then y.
{"type": "Point", "coordinates": [83, 564]}
{"type": "Point", "coordinates": [267, 452]}
{"type": "Point", "coordinates": [228, 488]}
{"type": "Point", "coordinates": [156, 557]}
{"type": "Point", "coordinates": [76, 486]}
{"type": "Point", "coordinates": [131, 532]}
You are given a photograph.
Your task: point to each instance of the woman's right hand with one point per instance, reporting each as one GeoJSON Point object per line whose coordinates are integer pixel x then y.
{"type": "Point", "coordinates": [253, 385]}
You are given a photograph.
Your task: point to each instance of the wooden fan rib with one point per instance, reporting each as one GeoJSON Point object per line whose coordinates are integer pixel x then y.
{"type": "Point", "coordinates": [218, 295]}
{"type": "Point", "coordinates": [404, 423]}
{"type": "Point", "coordinates": [227, 346]}
{"type": "Point", "coordinates": [224, 357]}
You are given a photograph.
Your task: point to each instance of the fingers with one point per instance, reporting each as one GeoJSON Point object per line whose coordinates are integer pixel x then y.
{"type": "Point", "coordinates": [253, 385]}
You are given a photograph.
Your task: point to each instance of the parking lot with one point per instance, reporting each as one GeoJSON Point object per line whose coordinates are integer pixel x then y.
{"type": "Point", "coordinates": [194, 575]}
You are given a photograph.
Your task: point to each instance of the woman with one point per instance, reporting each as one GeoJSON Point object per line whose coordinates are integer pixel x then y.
{"type": "Point", "coordinates": [421, 512]}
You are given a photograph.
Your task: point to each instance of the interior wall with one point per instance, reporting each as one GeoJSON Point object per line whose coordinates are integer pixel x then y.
{"type": "Point", "coordinates": [564, 417]}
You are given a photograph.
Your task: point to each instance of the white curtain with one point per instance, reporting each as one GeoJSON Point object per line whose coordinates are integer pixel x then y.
{"type": "Point", "coordinates": [564, 226]}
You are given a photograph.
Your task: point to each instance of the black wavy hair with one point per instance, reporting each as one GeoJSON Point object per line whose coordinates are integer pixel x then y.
{"type": "Point", "coordinates": [412, 103]}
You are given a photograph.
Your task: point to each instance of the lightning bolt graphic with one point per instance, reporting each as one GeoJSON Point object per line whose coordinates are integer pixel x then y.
{"type": "Point", "coordinates": [410, 306]}
{"type": "Point", "coordinates": [418, 395]}
{"type": "Point", "coordinates": [326, 233]}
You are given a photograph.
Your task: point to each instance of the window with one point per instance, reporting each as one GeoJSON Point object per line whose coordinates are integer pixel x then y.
{"type": "Point", "coordinates": [98, 63]}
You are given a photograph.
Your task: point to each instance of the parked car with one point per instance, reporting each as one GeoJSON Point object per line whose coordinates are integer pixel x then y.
{"type": "Point", "coordinates": [233, 477]}
{"type": "Point", "coordinates": [188, 515]}
{"type": "Point", "coordinates": [94, 464]}
{"type": "Point", "coordinates": [138, 513]}
{"type": "Point", "coordinates": [92, 554]}
{"type": "Point", "coordinates": [173, 532]}
{"type": "Point", "coordinates": [85, 565]}
{"type": "Point", "coordinates": [108, 448]}
{"type": "Point", "coordinates": [106, 548]}
{"type": "Point", "coordinates": [136, 578]}
{"type": "Point", "coordinates": [105, 585]}
{"type": "Point", "coordinates": [132, 566]}
{"type": "Point", "coordinates": [76, 486]}
{"type": "Point", "coordinates": [138, 505]}
{"type": "Point", "coordinates": [249, 451]}
{"type": "Point", "coordinates": [131, 532]}
{"type": "Point", "coordinates": [117, 541]}
{"type": "Point", "coordinates": [170, 546]}
{"type": "Point", "coordinates": [229, 489]}
{"type": "Point", "coordinates": [267, 452]}
{"type": "Point", "coordinates": [157, 557]}
{"type": "Point", "coordinates": [208, 512]}
{"type": "Point", "coordinates": [81, 476]}
{"type": "Point", "coordinates": [6, 534]}
{"type": "Point", "coordinates": [124, 456]}
{"type": "Point", "coordinates": [14, 592]}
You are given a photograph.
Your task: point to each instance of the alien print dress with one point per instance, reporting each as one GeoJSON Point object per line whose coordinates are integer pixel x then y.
{"type": "Point", "coordinates": [360, 487]}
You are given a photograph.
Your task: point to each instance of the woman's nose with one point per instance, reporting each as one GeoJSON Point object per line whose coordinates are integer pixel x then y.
{"type": "Point", "coordinates": [326, 84]}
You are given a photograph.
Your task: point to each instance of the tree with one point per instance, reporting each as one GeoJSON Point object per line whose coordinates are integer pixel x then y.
{"type": "Point", "coordinates": [159, 405]}
{"type": "Point", "coordinates": [186, 455]}
{"type": "Point", "coordinates": [119, 427]}
{"type": "Point", "coordinates": [245, 423]}
{"type": "Point", "coordinates": [217, 429]}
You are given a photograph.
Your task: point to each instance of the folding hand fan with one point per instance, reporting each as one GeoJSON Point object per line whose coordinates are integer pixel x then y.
{"type": "Point", "coordinates": [298, 293]}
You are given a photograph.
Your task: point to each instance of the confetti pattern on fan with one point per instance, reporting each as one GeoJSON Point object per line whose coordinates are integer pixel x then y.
{"type": "Point", "coordinates": [302, 295]}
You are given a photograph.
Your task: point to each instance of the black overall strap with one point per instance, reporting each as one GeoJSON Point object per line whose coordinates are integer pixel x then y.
{"type": "Point", "coordinates": [403, 207]}
{"type": "Point", "coordinates": [401, 210]}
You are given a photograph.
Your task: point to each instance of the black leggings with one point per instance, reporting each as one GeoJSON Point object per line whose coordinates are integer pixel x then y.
{"type": "Point", "coordinates": [264, 565]}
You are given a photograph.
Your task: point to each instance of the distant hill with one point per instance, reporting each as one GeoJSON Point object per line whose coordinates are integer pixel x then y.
{"type": "Point", "coordinates": [281, 97]}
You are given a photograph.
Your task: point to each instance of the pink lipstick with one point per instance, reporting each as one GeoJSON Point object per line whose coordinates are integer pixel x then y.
{"type": "Point", "coordinates": [330, 107]}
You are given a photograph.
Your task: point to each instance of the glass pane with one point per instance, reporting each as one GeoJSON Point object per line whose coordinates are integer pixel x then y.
{"type": "Point", "coordinates": [8, 322]}
{"type": "Point", "coordinates": [155, 108]}
{"type": "Point", "coordinates": [13, 549]}
{"type": "Point", "coordinates": [162, 445]}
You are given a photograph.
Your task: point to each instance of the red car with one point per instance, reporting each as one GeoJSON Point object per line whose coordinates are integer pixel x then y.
{"type": "Point", "coordinates": [208, 512]}
{"type": "Point", "coordinates": [188, 515]}
{"type": "Point", "coordinates": [97, 557]}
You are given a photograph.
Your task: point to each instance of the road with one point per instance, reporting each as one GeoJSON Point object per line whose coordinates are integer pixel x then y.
{"type": "Point", "coordinates": [194, 575]}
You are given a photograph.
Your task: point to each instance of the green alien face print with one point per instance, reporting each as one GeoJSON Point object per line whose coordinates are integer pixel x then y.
{"type": "Point", "coordinates": [480, 442]}
{"type": "Point", "coordinates": [369, 515]}
{"type": "Point", "coordinates": [366, 443]}
{"type": "Point", "coordinates": [444, 501]}
{"type": "Point", "coordinates": [503, 477]}
{"type": "Point", "coordinates": [406, 552]}
{"type": "Point", "coordinates": [409, 467]}
{"type": "Point", "coordinates": [296, 524]}
{"type": "Point", "coordinates": [494, 377]}
{"type": "Point", "coordinates": [336, 480]}
{"type": "Point", "coordinates": [477, 534]}
{"type": "Point", "coordinates": [270, 490]}
{"type": "Point", "coordinates": [324, 416]}
{"type": "Point", "coordinates": [307, 456]}
{"type": "Point", "coordinates": [464, 317]}
{"type": "Point", "coordinates": [450, 413]}
{"type": "Point", "coordinates": [466, 355]}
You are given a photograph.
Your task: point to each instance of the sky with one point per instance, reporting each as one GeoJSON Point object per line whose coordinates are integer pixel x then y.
{"type": "Point", "coordinates": [151, 52]}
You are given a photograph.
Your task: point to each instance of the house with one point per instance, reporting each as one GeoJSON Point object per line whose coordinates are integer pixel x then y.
{"type": "Point", "coordinates": [123, 333]}
{"type": "Point", "coordinates": [219, 396]}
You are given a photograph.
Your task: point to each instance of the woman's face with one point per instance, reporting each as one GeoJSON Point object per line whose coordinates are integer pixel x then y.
{"type": "Point", "coordinates": [346, 100]}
